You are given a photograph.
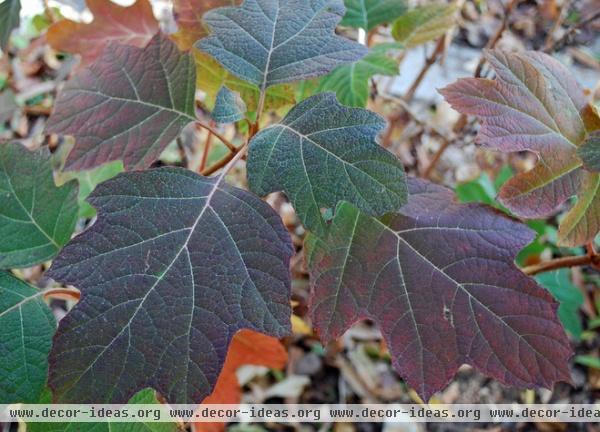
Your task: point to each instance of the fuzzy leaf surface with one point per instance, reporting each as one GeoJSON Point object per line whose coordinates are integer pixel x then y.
{"type": "Point", "coordinates": [589, 152]}
{"type": "Point", "coordinates": [279, 41]}
{"type": "Point", "coordinates": [424, 23]}
{"type": "Point", "coordinates": [440, 280]}
{"type": "Point", "coordinates": [36, 217]}
{"type": "Point", "coordinates": [174, 266]}
{"type": "Point", "coordinates": [229, 107]}
{"type": "Point", "coordinates": [351, 82]}
{"type": "Point", "coordinates": [128, 105]}
{"type": "Point", "coordinates": [368, 14]}
{"type": "Point", "coordinates": [133, 25]}
{"type": "Point", "coordinates": [323, 152]}
{"type": "Point", "coordinates": [26, 329]}
{"type": "Point", "coordinates": [9, 20]}
{"type": "Point", "coordinates": [535, 105]}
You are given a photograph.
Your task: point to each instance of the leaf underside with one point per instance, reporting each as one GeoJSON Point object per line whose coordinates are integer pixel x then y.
{"type": "Point", "coordinates": [439, 279]}
{"type": "Point", "coordinates": [535, 105]}
{"type": "Point", "coordinates": [26, 329]}
{"type": "Point", "coordinates": [278, 41]}
{"type": "Point", "coordinates": [229, 107]}
{"type": "Point", "coordinates": [323, 152]}
{"type": "Point", "coordinates": [133, 25]}
{"type": "Point", "coordinates": [174, 266]}
{"type": "Point", "coordinates": [129, 105]}
{"type": "Point", "coordinates": [36, 217]}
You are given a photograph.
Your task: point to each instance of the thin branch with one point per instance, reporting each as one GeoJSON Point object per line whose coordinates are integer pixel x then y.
{"type": "Point", "coordinates": [230, 158]}
{"type": "Point", "coordinates": [224, 140]}
{"type": "Point", "coordinates": [205, 151]}
{"type": "Point", "coordinates": [564, 262]}
{"type": "Point", "coordinates": [562, 14]}
{"type": "Point", "coordinates": [62, 293]}
{"type": "Point", "coordinates": [429, 62]}
{"type": "Point", "coordinates": [560, 42]}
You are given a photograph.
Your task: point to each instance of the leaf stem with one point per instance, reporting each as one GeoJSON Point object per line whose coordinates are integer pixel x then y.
{"type": "Point", "coordinates": [205, 151]}
{"type": "Point", "coordinates": [224, 140]}
{"type": "Point", "coordinates": [592, 259]}
{"type": "Point", "coordinates": [71, 293]}
{"type": "Point", "coordinates": [226, 162]}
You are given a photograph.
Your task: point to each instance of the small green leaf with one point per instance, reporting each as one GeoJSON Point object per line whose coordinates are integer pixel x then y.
{"type": "Point", "coordinates": [559, 283]}
{"type": "Point", "coordinates": [146, 397]}
{"type": "Point", "coordinates": [36, 217]}
{"type": "Point", "coordinates": [88, 180]}
{"type": "Point", "coordinates": [587, 360]}
{"type": "Point", "coordinates": [368, 14]}
{"type": "Point", "coordinates": [423, 24]}
{"type": "Point", "coordinates": [229, 107]}
{"type": "Point", "coordinates": [26, 329]}
{"type": "Point", "coordinates": [589, 152]}
{"type": "Point", "coordinates": [351, 82]}
{"type": "Point", "coordinates": [9, 20]}
{"type": "Point", "coordinates": [322, 153]}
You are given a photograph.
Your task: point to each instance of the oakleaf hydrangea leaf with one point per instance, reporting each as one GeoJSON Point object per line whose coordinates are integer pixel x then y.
{"type": "Point", "coordinates": [424, 23]}
{"type": "Point", "coordinates": [351, 82]}
{"type": "Point", "coordinates": [439, 279]}
{"type": "Point", "coordinates": [36, 217]}
{"type": "Point", "coordinates": [229, 107]}
{"type": "Point", "coordinates": [128, 105]}
{"type": "Point", "coordinates": [535, 105]}
{"type": "Point", "coordinates": [589, 152]}
{"type": "Point", "coordinates": [132, 25]}
{"type": "Point", "coordinates": [174, 266]}
{"type": "Point", "coordinates": [368, 14]}
{"type": "Point", "coordinates": [26, 329]}
{"type": "Point", "coordinates": [323, 152]}
{"type": "Point", "coordinates": [279, 41]}
{"type": "Point", "coordinates": [9, 19]}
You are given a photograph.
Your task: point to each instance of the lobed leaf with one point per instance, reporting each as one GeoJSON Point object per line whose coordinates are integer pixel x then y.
{"type": "Point", "coordinates": [351, 82]}
{"type": "Point", "coordinates": [440, 280]}
{"type": "Point", "coordinates": [9, 20]}
{"type": "Point", "coordinates": [535, 104]}
{"type": "Point", "coordinates": [128, 105]}
{"type": "Point", "coordinates": [36, 217]}
{"type": "Point", "coordinates": [133, 25]}
{"type": "Point", "coordinates": [368, 14]}
{"type": "Point", "coordinates": [174, 266]}
{"type": "Point", "coordinates": [424, 23]}
{"type": "Point", "coordinates": [278, 41]}
{"type": "Point", "coordinates": [322, 153]}
{"type": "Point", "coordinates": [229, 107]}
{"type": "Point", "coordinates": [26, 329]}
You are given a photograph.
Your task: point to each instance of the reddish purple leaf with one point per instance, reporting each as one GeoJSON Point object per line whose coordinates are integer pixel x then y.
{"type": "Point", "coordinates": [128, 105]}
{"type": "Point", "coordinates": [535, 104]}
{"type": "Point", "coordinates": [440, 280]}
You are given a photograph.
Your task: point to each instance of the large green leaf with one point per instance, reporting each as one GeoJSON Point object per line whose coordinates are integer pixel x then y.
{"type": "Point", "coordinates": [36, 217]}
{"type": "Point", "coordinates": [440, 280]}
{"type": "Point", "coordinates": [351, 82]}
{"type": "Point", "coordinates": [174, 266]}
{"type": "Point", "coordinates": [9, 20]}
{"type": "Point", "coordinates": [323, 152]}
{"type": "Point", "coordinates": [269, 42]}
{"type": "Point", "coordinates": [26, 329]}
{"type": "Point", "coordinates": [128, 105]}
{"type": "Point", "coordinates": [368, 14]}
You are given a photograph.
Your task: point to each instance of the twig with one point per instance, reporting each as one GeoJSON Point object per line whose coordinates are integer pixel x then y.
{"type": "Point", "coordinates": [227, 162]}
{"type": "Point", "coordinates": [205, 151]}
{"type": "Point", "coordinates": [559, 20]}
{"type": "Point", "coordinates": [62, 293]}
{"type": "Point", "coordinates": [564, 262]}
{"type": "Point", "coordinates": [429, 61]}
{"type": "Point", "coordinates": [560, 42]}
{"type": "Point", "coordinates": [224, 140]}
